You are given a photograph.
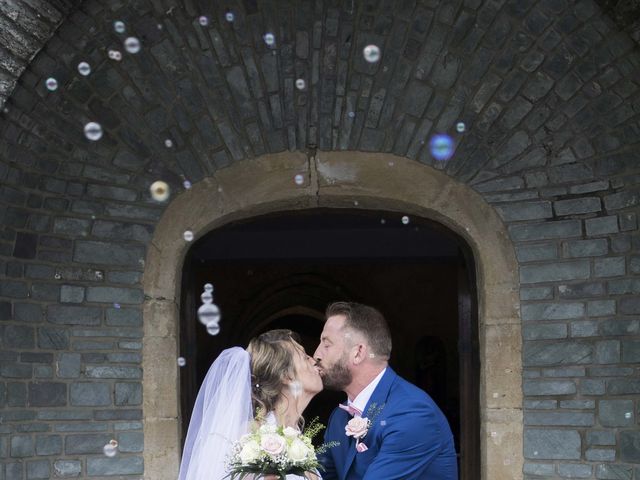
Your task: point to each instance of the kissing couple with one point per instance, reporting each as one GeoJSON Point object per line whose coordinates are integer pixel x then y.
{"type": "Point", "coordinates": [403, 434]}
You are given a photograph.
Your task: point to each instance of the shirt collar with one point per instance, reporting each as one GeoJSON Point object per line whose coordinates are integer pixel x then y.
{"type": "Point", "coordinates": [360, 402]}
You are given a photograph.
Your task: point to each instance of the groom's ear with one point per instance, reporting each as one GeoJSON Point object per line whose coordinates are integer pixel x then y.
{"type": "Point", "coordinates": [360, 353]}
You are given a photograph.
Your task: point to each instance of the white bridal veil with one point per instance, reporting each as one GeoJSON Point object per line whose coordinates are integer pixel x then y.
{"type": "Point", "coordinates": [221, 415]}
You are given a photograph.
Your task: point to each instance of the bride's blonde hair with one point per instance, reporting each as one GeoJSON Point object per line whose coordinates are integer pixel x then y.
{"type": "Point", "coordinates": [272, 363]}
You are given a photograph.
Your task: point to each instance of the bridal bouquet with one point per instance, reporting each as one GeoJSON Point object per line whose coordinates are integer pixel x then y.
{"type": "Point", "coordinates": [271, 450]}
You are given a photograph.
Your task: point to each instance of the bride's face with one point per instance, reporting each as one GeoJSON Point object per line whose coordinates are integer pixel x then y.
{"type": "Point", "coordinates": [306, 372]}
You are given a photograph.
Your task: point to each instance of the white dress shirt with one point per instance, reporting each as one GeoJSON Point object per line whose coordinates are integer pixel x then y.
{"type": "Point", "coordinates": [360, 402]}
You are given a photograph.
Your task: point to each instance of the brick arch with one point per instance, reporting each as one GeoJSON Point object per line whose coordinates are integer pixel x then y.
{"type": "Point", "coordinates": [335, 180]}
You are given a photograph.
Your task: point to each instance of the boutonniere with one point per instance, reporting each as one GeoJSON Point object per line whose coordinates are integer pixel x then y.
{"type": "Point", "coordinates": [358, 427]}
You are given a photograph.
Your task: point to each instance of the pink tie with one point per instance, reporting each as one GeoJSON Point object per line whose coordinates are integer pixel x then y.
{"type": "Point", "coordinates": [353, 411]}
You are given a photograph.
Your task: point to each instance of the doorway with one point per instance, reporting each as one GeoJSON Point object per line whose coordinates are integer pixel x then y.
{"type": "Point", "coordinates": [281, 270]}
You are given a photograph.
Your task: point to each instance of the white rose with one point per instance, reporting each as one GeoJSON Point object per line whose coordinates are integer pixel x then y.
{"type": "Point", "coordinates": [266, 428]}
{"type": "Point", "coordinates": [250, 452]}
{"type": "Point", "coordinates": [298, 451]}
{"type": "Point", "coordinates": [273, 444]}
{"type": "Point", "coordinates": [291, 432]}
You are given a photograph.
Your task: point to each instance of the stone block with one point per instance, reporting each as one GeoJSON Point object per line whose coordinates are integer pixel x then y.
{"type": "Point", "coordinates": [552, 311]}
{"type": "Point", "coordinates": [558, 353]}
{"type": "Point", "coordinates": [630, 446]}
{"type": "Point", "coordinates": [581, 290]}
{"type": "Point", "coordinates": [18, 337]}
{"type": "Point", "coordinates": [128, 394]}
{"type": "Point", "coordinates": [574, 470]}
{"type": "Point", "coordinates": [625, 199]}
{"type": "Point", "coordinates": [22, 446]}
{"type": "Point", "coordinates": [90, 394]}
{"type": "Point", "coordinates": [631, 351]}
{"type": "Point", "coordinates": [578, 404]}
{"type": "Point", "coordinates": [567, 419]}
{"type": "Point", "coordinates": [564, 372]}
{"type": "Point", "coordinates": [615, 327]}
{"type": "Point", "coordinates": [27, 312]}
{"type": "Point", "coordinates": [525, 211]}
{"type": "Point", "coordinates": [47, 394]}
{"type": "Point", "coordinates": [609, 471]}
{"type": "Point", "coordinates": [546, 231]}
{"type": "Point", "coordinates": [131, 442]}
{"type": "Point", "coordinates": [609, 267]}
{"type": "Point", "coordinates": [628, 221]}
{"type": "Point", "coordinates": [540, 404]}
{"type": "Point", "coordinates": [118, 414]}
{"type": "Point", "coordinates": [585, 248]}
{"type": "Point", "coordinates": [129, 317]}
{"type": "Point", "coordinates": [74, 315]}
{"type": "Point", "coordinates": [630, 305]}
{"type": "Point", "coordinates": [538, 469]}
{"type": "Point", "coordinates": [601, 308]}
{"type": "Point", "coordinates": [16, 394]}
{"type": "Point", "coordinates": [53, 338]}
{"type": "Point", "coordinates": [71, 294]}
{"type": "Point", "coordinates": [67, 468]}
{"type": "Point", "coordinates": [85, 443]}
{"type": "Point", "coordinates": [38, 469]}
{"type": "Point", "coordinates": [115, 295]}
{"type": "Point", "coordinates": [544, 332]}
{"type": "Point", "coordinates": [122, 231]}
{"type": "Point", "coordinates": [536, 293]}
{"type": "Point", "coordinates": [113, 372]}
{"type": "Point", "coordinates": [124, 465]}
{"type": "Point", "coordinates": [552, 444]}
{"type": "Point", "coordinates": [590, 386]}
{"type": "Point", "coordinates": [607, 351]}
{"type": "Point", "coordinates": [92, 252]}
{"type": "Point", "coordinates": [625, 386]}
{"type": "Point", "coordinates": [577, 206]}
{"type": "Point", "coordinates": [601, 225]}
{"type": "Point", "coordinates": [616, 413]}
{"type": "Point", "coordinates": [48, 445]}
{"type": "Point", "coordinates": [71, 226]}
{"type": "Point", "coordinates": [601, 437]}
{"type": "Point", "coordinates": [553, 272]}
{"type": "Point", "coordinates": [68, 365]}
{"type": "Point", "coordinates": [537, 252]}
{"type": "Point", "coordinates": [130, 278]}
{"type": "Point", "coordinates": [549, 387]}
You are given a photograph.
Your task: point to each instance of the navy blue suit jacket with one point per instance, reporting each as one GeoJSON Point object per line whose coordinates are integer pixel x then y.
{"type": "Point", "coordinates": [409, 439]}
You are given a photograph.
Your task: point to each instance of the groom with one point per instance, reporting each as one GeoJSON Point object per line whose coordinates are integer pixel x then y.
{"type": "Point", "coordinates": [408, 437]}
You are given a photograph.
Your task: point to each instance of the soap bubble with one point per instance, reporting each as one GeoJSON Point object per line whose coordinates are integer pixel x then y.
{"type": "Point", "coordinates": [52, 84]}
{"type": "Point", "coordinates": [383, 221]}
{"type": "Point", "coordinates": [203, 20]}
{"type": "Point", "coordinates": [132, 45]}
{"type": "Point", "coordinates": [208, 313]}
{"type": "Point", "coordinates": [118, 26]}
{"type": "Point", "coordinates": [116, 306]}
{"type": "Point", "coordinates": [93, 131]}
{"type": "Point", "coordinates": [299, 179]}
{"type": "Point", "coordinates": [111, 448]}
{"type": "Point", "coordinates": [213, 328]}
{"type": "Point", "coordinates": [181, 361]}
{"type": "Point", "coordinates": [441, 147]}
{"type": "Point", "coordinates": [188, 235]}
{"type": "Point", "coordinates": [269, 39]}
{"type": "Point", "coordinates": [84, 69]}
{"type": "Point", "coordinates": [206, 297]}
{"type": "Point", "coordinates": [460, 127]}
{"type": "Point", "coordinates": [371, 53]}
{"type": "Point", "coordinates": [405, 220]}
{"type": "Point", "coordinates": [627, 415]}
{"type": "Point", "coordinates": [159, 191]}
{"type": "Point", "coordinates": [351, 114]}
{"type": "Point", "coordinates": [168, 143]}
{"type": "Point", "coordinates": [186, 184]}
{"type": "Point", "coordinates": [57, 276]}
{"type": "Point", "coordinates": [300, 84]}
{"type": "Point", "coordinates": [229, 17]}
{"type": "Point", "coordinates": [208, 287]}
{"type": "Point", "coordinates": [115, 55]}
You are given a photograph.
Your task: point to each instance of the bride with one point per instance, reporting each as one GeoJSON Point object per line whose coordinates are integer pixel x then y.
{"type": "Point", "coordinates": [274, 375]}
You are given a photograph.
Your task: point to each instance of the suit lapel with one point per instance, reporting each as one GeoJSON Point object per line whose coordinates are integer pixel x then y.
{"type": "Point", "coordinates": [378, 397]}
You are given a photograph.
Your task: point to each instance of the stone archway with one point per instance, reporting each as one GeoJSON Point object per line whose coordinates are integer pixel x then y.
{"type": "Point", "coordinates": [337, 180]}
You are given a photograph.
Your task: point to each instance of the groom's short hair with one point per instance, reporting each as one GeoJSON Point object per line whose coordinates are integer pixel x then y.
{"type": "Point", "coordinates": [367, 321]}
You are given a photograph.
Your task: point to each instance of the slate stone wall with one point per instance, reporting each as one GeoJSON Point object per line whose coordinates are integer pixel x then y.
{"type": "Point", "coordinates": [549, 93]}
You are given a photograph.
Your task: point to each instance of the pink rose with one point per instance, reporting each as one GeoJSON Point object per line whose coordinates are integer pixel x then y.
{"type": "Point", "coordinates": [357, 427]}
{"type": "Point", "coordinates": [273, 444]}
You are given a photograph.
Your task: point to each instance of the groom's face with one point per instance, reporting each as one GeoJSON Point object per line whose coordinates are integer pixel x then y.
{"type": "Point", "coordinates": [332, 355]}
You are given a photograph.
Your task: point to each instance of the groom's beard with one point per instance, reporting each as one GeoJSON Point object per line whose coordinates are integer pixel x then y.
{"type": "Point", "coordinates": [338, 376]}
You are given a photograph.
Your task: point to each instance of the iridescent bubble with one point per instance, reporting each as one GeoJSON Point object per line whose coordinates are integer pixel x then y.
{"type": "Point", "coordinates": [186, 184]}
{"type": "Point", "coordinates": [116, 305]}
{"type": "Point", "coordinates": [203, 20]}
{"type": "Point", "coordinates": [115, 55]}
{"type": "Point", "coordinates": [84, 69]}
{"type": "Point", "coordinates": [132, 45]}
{"type": "Point", "coordinates": [405, 220]}
{"type": "Point", "coordinates": [168, 143]}
{"type": "Point", "coordinates": [208, 287]}
{"type": "Point", "coordinates": [93, 131]}
{"type": "Point", "coordinates": [229, 17]}
{"type": "Point", "coordinates": [111, 448]}
{"type": "Point", "coordinates": [371, 53]}
{"type": "Point", "coordinates": [460, 127]}
{"type": "Point", "coordinates": [300, 84]}
{"type": "Point", "coordinates": [351, 114]}
{"type": "Point", "coordinates": [383, 221]}
{"type": "Point", "coordinates": [208, 313]}
{"type": "Point", "coordinates": [206, 297]}
{"type": "Point", "coordinates": [181, 361]}
{"type": "Point", "coordinates": [269, 39]}
{"type": "Point", "coordinates": [159, 191]}
{"type": "Point", "coordinates": [119, 26]}
{"type": "Point", "coordinates": [213, 328]}
{"type": "Point", "coordinates": [57, 276]}
{"type": "Point", "coordinates": [299, 179]}
{"type": "Point", "coordinates": [52, 84]}
{"type": "Point", "coordinates": [441, 147]}
{"type": "Point", "coordinates": [188, 235]}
